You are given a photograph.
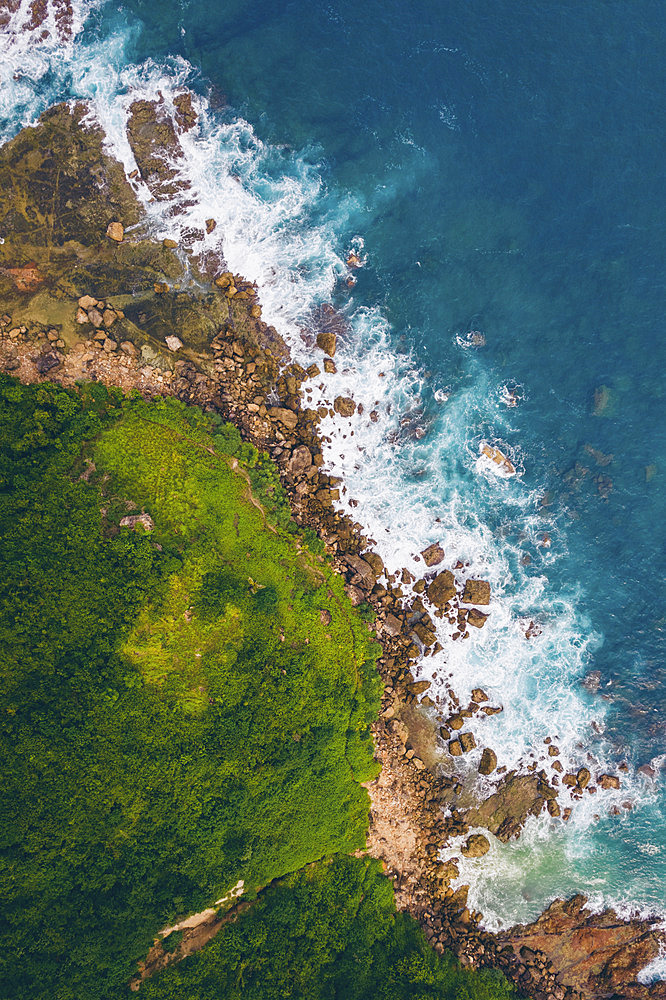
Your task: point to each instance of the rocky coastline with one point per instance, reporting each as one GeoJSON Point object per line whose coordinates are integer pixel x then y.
{"type": "Point", "coordinates": [86, 293]}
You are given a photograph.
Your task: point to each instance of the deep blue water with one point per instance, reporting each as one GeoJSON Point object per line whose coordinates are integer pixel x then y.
{"type": "Point", "coordinates": [503, 162]}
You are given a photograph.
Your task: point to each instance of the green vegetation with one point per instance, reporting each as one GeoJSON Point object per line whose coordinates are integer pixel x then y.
{"type": "Point", "coordinates": [178, 711]}
{"type": "Point", "coordinates": [330, 932]}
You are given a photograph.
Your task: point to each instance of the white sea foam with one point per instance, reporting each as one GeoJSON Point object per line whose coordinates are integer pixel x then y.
{"type": "Point", "coordinates": [407, 461]}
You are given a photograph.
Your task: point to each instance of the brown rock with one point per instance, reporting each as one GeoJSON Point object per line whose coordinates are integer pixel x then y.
{"type": "Point", "coordinates": [81, 316]}
{"type": "Point", "coordinates": [327, 342]}
{"type": "Point", "coordinates": [594, 955]}
{"type": "Point", "coordinates": [553, 807]}
{"type": "Point", "coordinates": [169, 244]}
{"type": "Point", "coordinates": [456, 722]}
{"type": "Point", "coordinates": [476, 618]}
{"type": "Point", "coordinates": [609, 781]}
{"type": "Point", "coordinates": [476, 592]}
{"type": "Point", "coordinates": [433, 554]}
{"type": "Point", "coordinates": [475, 846]}
{"type": "Point", "coordinates": [109, 317]}
{"type": "Point", "coordinates": [488, 761]}
{"type": "Point", "coordinates": [325, 616]}
{"type": "Point", "coordinates": [128, 348]}
{"type": "Point", "coordinates": [115, 232]}
{"type": "Point", "coordinates": [553, 751]}
{"type": "Point", "coordinates": [455, 748]}
{"type": "Point", "coordinates": [418, 687]}
{"type": "Point", "coordinates": [87, 302]}
{"type": "Point", "coordinates": [442, 589]}
{"type": "Point", "coordinates": [467, 742]}
{"type": "Point", "coordinates": [583, 777]}
{"type": "Point", "coordinates": [392, 625]}
{"type": "Point", "coordinates": [478, 695]}
{"type": "Point", "coordinates": [300, 460]}
{"type": "Point", "coordinates": [95, 317]}
{"type": "Point", "coordinates": [329, 366]}
{"type": "Point", "coordinates": [344, 405]}
{"type": "Point", "coordinates": [173, 343]}
{"type": "Point", "coordinates": [283, 416]}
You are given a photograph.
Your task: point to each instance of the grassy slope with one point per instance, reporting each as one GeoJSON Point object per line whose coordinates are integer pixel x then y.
{"type": "Point", "coordinates": [167, 727]}
{"type": "Point", "coordinates": [329, 932]}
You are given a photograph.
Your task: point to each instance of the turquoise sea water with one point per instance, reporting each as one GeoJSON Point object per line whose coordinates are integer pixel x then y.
{"type": "Point", "coordinates": [499, 167]}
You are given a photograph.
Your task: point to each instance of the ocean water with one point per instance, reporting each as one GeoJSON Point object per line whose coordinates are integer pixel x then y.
{"type": "Point", "coordinates": [497, 166]}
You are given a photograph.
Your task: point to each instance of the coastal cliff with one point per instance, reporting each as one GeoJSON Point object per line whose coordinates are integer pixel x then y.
{"type": "Point", "coordinates": [87, 295]}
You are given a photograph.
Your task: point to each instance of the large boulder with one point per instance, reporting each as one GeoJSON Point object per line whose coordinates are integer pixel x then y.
{"type": "Point", "coordinates": [327, 341]}
{"type": "Point", "coordinates": [433, 554]}
{"type": "Point", "coordinates": [475, 846]}
{"type": "Point", "coordinates": [364, 574]}
{"type": "Point", "coordinates": [442, 589]}
{"type": "Point", "coordinates": [476, 592]}
{"type": "Point", "coordinates": [299, 460]}
{"type": "Point", "coordinates": [476, 618]}
{"type": "Point", "coordinates": [488, 761]}
{"type": "Point", "coordinates": [345, 406]}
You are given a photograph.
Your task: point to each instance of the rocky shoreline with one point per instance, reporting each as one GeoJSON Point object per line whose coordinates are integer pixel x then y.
{"type": "Point", "coordinates": [83, 299]}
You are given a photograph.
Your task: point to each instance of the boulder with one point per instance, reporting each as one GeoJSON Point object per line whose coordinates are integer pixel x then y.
{"type": "Point", "coordinates": [329, 366]}
{"type": "Point", "coordinates": [442, 589]}
{"type": "Point", "coordinates": [173, 343]}
{"type": "Point", "coordinates": [82, 316]}
{"type": "Point", "coordinates": [46, 362]}
{"type": "Point", "coordinates": [327, 342]}
{"type": "Point", "coordinates": [467, 742]}
{"type": "Point", "coordinates": [169, 244]}
{"type": "Point", "coordinates": [583, 777]}
{"type": "Point", "coordinates": [456, 722]}
{"type": "Point", "coordinates": [109, 317]}
{"type": "Point", "coordinates": [609, 781]}
{"type": "Point", "coordinates": [363, 571]}
{"type": "Point", "coordinates": [488, 761]}
{"type": "Point", "coordinates": [345, 406]}
{"type": "Point", "coordinates": [433, 554]}
{"type": "Point", "coordinates": [283, 416]}
{"type": "Point", "coordinates": [115, 232]}
{"type": "Point", "coordinates": [455, 749]}
{"type": "Point", "coordinates": [95, 317]}
{"type": "Point", "coordinates": [375, 561]}
{"type": "Point", "coordinates": [300, 460]}
{"type": "Point", "coordinates": [392, 625]}
{"type": "Point", "coordinates": [476, 618]}
{"type": "Point", "coordinates": [418, 687]}
{"type": "Point", "coordinates": [479, 695]}
{"type": "Point", "coordinates": [476, 592]}
{"type": "Point", "coordinates": [87, 302]}
{"type": "Point", "coordinates": [128, 348]}
{"type": "Point", "coordinates": [475, 846]}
